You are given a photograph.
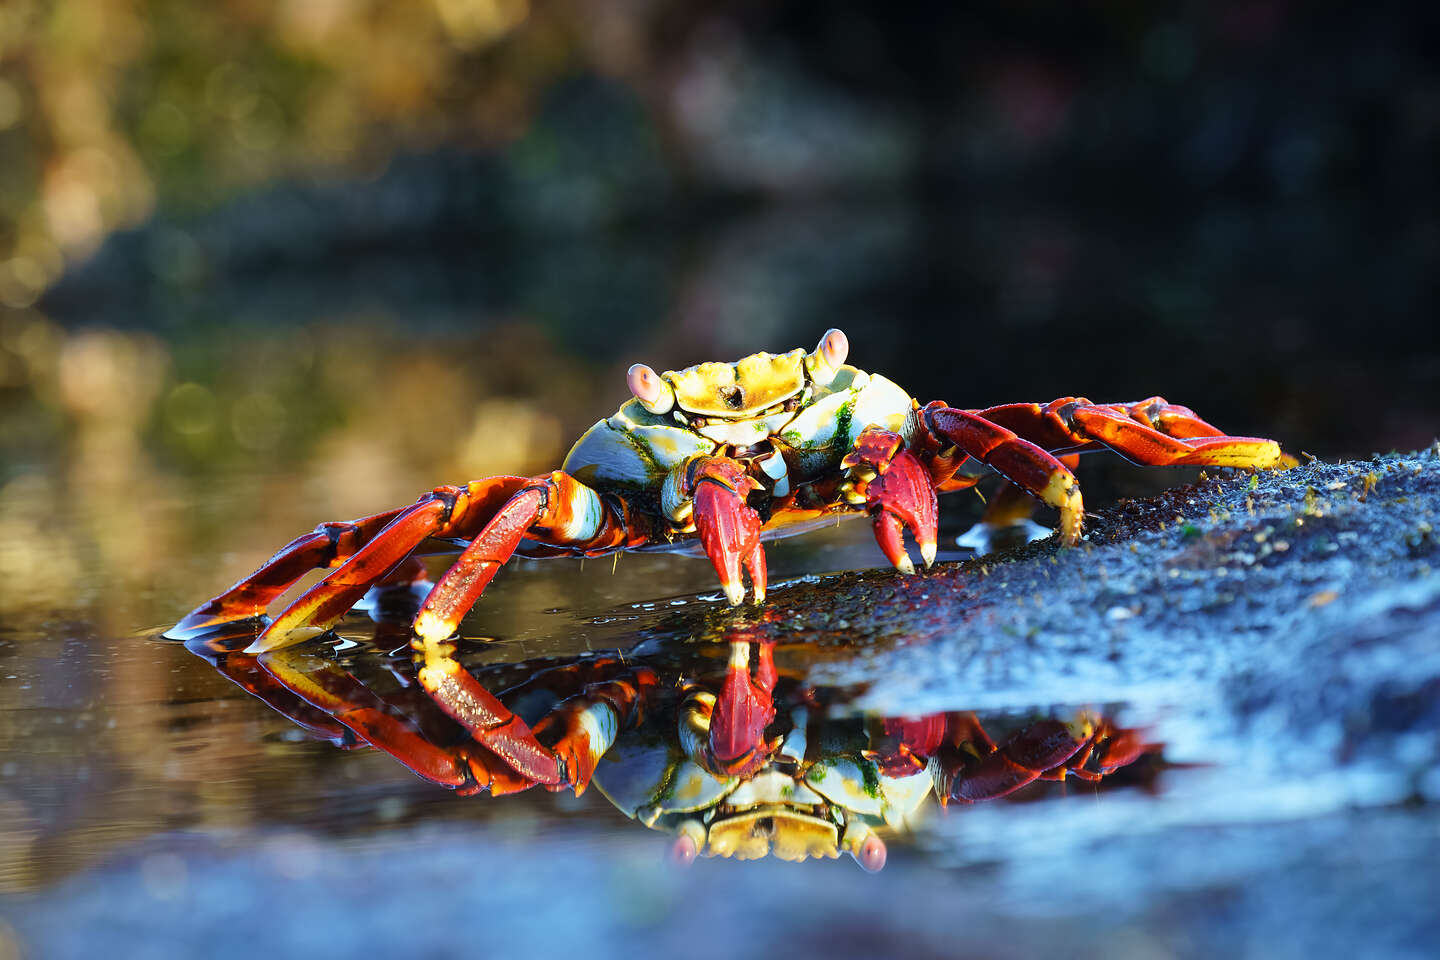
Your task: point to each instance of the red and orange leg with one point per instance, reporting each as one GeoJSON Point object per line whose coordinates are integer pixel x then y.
{"type": "Point", "coordinates": [335, 545]}
{"type": "Point", "coordinates": [508, 757]}
{"type": "Point", "coordinates": [328, 545]}
{"type": "Point", "coordinates": [1151, 432]}
{"type": "Point", "coordinates": [1021, 440]}
{"type": "Point", "coordinates": [1024, 463]}
{"type": "Point", "coordinates": [326, 686]}
{"type": "Point", "coordinates": [494, 514]}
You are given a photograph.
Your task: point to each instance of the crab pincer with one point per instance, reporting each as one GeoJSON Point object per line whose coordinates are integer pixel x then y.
{"type": "Point", "coordinates": [897, 491]}
{"type": "Point", "coordinates": [729, 529]}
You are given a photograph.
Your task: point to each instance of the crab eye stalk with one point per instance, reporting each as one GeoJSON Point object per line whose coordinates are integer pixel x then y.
{"type": "Point", "coordinates": [654, 393]}
{"type": "Point", "coordinates": [867, 849]}
{"type": "Point", "coordinates": [872, 854]}
{"type": "Point", "coordinates": [829, 355]}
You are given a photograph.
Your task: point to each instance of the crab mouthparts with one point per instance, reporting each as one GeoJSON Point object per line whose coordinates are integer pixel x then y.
{"type": "Point", "coordinates": [773, 828]}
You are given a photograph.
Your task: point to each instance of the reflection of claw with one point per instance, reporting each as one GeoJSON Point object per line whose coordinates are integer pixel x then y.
{"type": "Point", "coordinates": [898, 493]}
{"type": "Point", "coordinates": [729, 530]}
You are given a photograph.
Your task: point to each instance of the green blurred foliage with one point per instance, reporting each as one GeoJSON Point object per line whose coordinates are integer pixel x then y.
{"type": "Point", "coordinates": [108, 106]}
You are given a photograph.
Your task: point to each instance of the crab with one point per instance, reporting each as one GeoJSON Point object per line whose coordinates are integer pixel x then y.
{"type": "Point", "coordinates": [727, 760]}
{"type": "Point", "coordinates": [717, 457]}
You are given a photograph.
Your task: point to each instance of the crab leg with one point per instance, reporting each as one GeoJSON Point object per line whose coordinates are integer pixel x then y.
{"type": "Point", "coordinates": [328, 545]}
{"type": "Point", "coordinates": [557, 507]}
{"type": "Point", "coordinates": [1151, 432]}
{"type": "Point", "coordinates": [324, 685]}
{"type": "Point", "coordinates": [1017, 459]}
{"type": "Point", "coordinates": [1024, 758]}
{"type": "Point", "coordinates": [588, 722]}
{"type": "Point", "coordinates": [897, 491]}
{"type": "Point", "coordinates": [246, 673]}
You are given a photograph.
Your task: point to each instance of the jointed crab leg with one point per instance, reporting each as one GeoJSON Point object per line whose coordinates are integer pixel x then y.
{"type": "Point", "coordinates": [327, 545]}
{"type": "Point", "coordinates": [326, 686]}
{"type": "Point", "coordinates": [556, 508]}
{"type": "Point", "coordinates": [452, 512]}
{"type": "Point", "coordinates": [1014, 457]}
{"type": "Point", "coordinates": [584, 727]}
{"type": "Point", "coordinates": [1151, 432]}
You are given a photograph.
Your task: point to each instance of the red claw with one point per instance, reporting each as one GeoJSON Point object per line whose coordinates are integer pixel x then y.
{"type": "Point", "coordinates": [729, 530]}
{"type": "Point", "coordinates": [902, 495]}
{"type": "Point", "coordinates": [742, 712]}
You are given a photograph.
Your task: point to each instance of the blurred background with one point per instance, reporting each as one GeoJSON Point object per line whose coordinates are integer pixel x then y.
{"type": "Point", "coordinates": [268, 262]}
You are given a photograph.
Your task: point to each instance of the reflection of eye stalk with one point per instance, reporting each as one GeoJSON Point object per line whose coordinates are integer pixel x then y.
{"type": "Point", "coordinates": [714, 763]}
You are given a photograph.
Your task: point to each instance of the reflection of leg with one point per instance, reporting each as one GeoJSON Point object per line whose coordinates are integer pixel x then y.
{"type": "Point", "coordinates": [1024, 758]}
{"type": "Point", "coordinates": [245, 672]}
{"type": "Point", "coordinates": [323, 684]}
{"type": "Point", "coordinates": [584, 726]}
{"type": "Point", "coordinates": [1006, 522]}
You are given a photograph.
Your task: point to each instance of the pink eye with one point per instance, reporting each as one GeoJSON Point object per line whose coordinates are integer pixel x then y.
{"type": "Point", "coordinates": [649, 389]}
{"type": "Point", "coordinates": [872, 851]}
{"type": "Point", "coordinates": [833, 348]}
{"type": "Point", "coordinates": [684, 850]}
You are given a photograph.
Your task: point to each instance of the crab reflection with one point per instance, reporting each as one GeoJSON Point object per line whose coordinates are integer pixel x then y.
{"type": "Point", "coordinates": [710, 743]}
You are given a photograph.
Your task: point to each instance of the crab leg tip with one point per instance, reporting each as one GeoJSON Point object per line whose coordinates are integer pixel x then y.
{"type": "Point", "coordinates": [927, 553]}
{"type": "Point", "coordinates": [430, 627]}
{"type": "Point", "coordinates": [734, 592]}
{"type": "Point", "coordinates": [268, 640]}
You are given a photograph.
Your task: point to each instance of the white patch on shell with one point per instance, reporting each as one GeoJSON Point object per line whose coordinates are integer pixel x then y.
{"type": "Point", "coordinates": [904, 795]}
{"type": "Point", "coordinates": [778, 471]}
{"type": "Point", "coordinates": [673, 503]}
{"type": "Point", "coordinates": [634, 448]}
{"type": "Point", "coordinates": [772, 786]}
{"type": "Point", "coordinates": [795, 743]}
{"type": "Point", "coordinates": [691, 788]}
{"type": "Point", "coordinates": [881, 403]}
{"type": "Point", "coordinates": [632, 773]}
{"type": "Point", "coordinates": [843, 784]}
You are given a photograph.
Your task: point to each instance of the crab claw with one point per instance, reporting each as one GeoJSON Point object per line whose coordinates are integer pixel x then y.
{"type": "Point", "coordinates": [743, 710]}
{"type": "Point", "coordinates": [729, 530]}
{"type": "Point", "coordinates": [902, 495]}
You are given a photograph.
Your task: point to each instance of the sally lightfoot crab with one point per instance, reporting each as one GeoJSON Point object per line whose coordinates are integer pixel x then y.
{"type": "Point", "coordinates": [716, 457]}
